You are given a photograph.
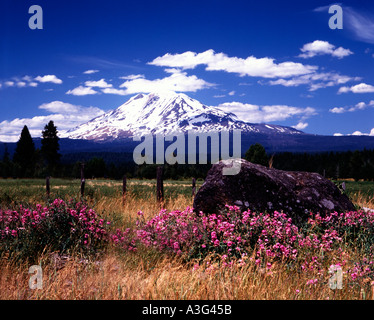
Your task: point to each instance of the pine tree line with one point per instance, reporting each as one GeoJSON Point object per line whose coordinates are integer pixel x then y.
{"type": "Point", "coordinates": [357, 164]}
{"type": "Point", "coordinates": [29, 161]}
{"type": "Point", "coordinates": [350, 164]}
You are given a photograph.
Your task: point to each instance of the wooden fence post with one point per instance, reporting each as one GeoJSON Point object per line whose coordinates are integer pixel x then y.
{"type": "Point", "coordinates": [124, 181]}
{"type": "Point", "coordinates": [193, 187]}
{"type": "Point", "coordinates": [160, 185]}
{"type": "Point", "coordinates": [83, 181]}
{"type": "Point", "coordinates": [47, 187]}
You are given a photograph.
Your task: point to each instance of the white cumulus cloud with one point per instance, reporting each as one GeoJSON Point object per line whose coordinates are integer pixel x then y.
{"type": "Point", "coordinates": [65, 116]}
{"type": "Point", "coordinates": [338, 110]}
{"type": "Point", "coordinates": [178, 82]}
{"type": "Point", "coordinates": [358, 88]}
{"type": "Point", "coordinates": [250, 66]}
{"type": "Point", "coordinates": [359, 106]}
{"type": "Point", "coordinates": [319, 47]}
{"type": "Point", "coordinates": [300, 126]}
{"type": "Point", "coordinates": [120, 92]}
{"type": "Point", "coordinates": [25, 81]}
{"type": "Point", "coordinates": [9, 83]}
{"type": "Point", "coordinates": [81, 91]}
{"type": "Point", "coordinates": [99, 84]}
{"type": "Point", "coordinates": [356, 133]}
{"type": "Point", "coordinates": [48, 78]}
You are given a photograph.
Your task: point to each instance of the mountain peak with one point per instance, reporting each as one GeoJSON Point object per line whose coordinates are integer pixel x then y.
{"type": "Point", "coordinates": [159, 94]}
{"type": "Point", "coordinates": [165, 112]}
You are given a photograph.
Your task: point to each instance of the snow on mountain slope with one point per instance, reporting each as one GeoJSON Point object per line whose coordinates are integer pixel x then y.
{"type": "Point", "coordinates": [166, 112]}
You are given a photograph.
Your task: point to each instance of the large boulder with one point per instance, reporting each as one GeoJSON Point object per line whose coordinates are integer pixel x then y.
{"type": "Point", "coordinates": [261, 189]}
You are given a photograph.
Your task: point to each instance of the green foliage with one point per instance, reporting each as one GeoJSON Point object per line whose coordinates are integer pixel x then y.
{"type": "Point", "coordinates": [95, 167]}
{"type": "Point", "coordinates": [357, 164]}
{"type": "Point", "coordinates": [257, 154]}
{"type": "Point", "coordinates": [71, 227]}
{"type": "Point", "coordinates": [24, 156]}
{"type": "Point", "coordinates": [6, 166]}
{"type": "Point", "coordinates": [50, 147]}
{"type": "Point", "coordinates": [175, 171]}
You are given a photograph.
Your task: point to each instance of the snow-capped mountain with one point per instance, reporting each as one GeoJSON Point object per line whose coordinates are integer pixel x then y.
{"type": "Point", "coordinates": [166, 112]}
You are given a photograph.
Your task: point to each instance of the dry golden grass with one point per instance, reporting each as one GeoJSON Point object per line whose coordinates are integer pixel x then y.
{"type": "Point", "coordinates": [132, 278]}
{"type": "Point", "coordinates": [126, 208]}
{"type": "Point", "coordinates": [362, 200]}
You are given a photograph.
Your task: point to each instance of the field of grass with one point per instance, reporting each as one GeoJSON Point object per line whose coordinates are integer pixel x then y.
{"type": "Point", "coordinates": [361, 192]}
{"type": "Point", "coordinates": [150, 273]}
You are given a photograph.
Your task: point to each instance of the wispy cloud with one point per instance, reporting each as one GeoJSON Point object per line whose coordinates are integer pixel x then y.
{"type": "Point", "coordinates": [325, 8]}
{"type": "Point", "coordinates": [91, 71]}
{"type": "Point", "coordinates": [260, 114]}
{"type": "Point", "coordinates": [360, 24]}
{"type": "Point", "coordinates": [132, 77]}
{"type": "Point", "coordinates": [101, 63]}
{"type": "Point", "coordinates": [315, 81]}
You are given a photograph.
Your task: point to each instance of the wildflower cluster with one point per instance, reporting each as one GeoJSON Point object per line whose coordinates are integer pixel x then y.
{"type": "Point", "coordinates": [174, 231]}
{"type": "Point", "coordinates": [125, 239]}
{"type": "Point", "coordinates": [362, 270]}
{"type": "Point", "coordinates": [356, 227]}
{"type": "Point", "coordinates": [232, 236]}
{"type": "Point", "coordinates": [57, 226]}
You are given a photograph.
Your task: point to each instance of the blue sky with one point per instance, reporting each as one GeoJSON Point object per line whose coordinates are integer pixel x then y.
{"type": "Point", "coordinates": [269, 61]}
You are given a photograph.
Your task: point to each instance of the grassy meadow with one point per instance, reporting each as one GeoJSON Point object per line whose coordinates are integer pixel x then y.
{"type": "Point", "coordinates": [150, 273]}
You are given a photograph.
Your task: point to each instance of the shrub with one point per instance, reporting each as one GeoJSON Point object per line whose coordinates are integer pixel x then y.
{"type": "Point", "coordinates": [58, 226]}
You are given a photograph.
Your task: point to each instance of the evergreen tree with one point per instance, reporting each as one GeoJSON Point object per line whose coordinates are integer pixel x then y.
{"type": "Point", "coordinates": [6, 165]}
{"type": "Point", "coordinates": [6, 157]}
{"type": "Point", "coordinates": [95, 168]}
{"type": "Point", "coordinates": [24, 155]}
{"type": "Point", "coordinates": [356, 164]}
{"type": "Point", "coordinates": [257, 154]}
{"type": "Point", "coordinates": [50, 146]}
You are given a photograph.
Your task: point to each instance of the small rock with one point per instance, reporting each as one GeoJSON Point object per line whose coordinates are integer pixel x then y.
{"type": "Point", "coordinates": [328, 204]}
